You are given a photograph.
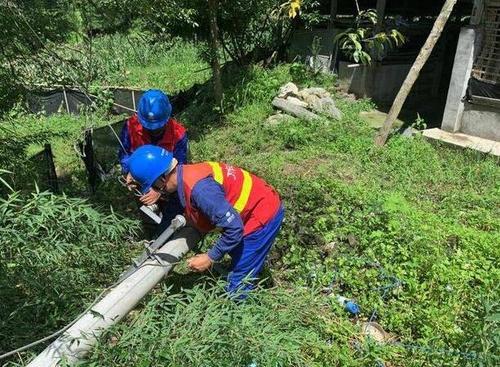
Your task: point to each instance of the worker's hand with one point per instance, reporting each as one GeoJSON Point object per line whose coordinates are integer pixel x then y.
{"type": "Point", "coordinates": [151, 197]}
{"type": "Point", "coordinates": [200, 263]}
{"type": "Point", "coordinates": [130, 182]}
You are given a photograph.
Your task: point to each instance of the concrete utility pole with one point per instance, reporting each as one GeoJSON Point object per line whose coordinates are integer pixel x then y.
{"type": "Point", "coordinates": [415, 70]}
{"type": "Point", "coordinates": [79, 339]}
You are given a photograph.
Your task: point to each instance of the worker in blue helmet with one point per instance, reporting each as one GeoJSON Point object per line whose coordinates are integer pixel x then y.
{"type": "Point", "coordinates": [153, 124]}
{"type": "Point", "coordinates": [245, 209]}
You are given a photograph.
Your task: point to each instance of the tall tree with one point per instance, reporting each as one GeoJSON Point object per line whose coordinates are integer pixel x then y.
{"type": "Point", "coordinates": [213, 6]}
{"type": "Point", "coordinates": [415, 70]}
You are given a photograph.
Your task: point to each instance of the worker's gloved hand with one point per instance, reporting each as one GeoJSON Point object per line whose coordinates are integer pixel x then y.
{"type": "Point", "coordinates": [151, 197]}
{"type": "Point", "coordinates": [200, 262]}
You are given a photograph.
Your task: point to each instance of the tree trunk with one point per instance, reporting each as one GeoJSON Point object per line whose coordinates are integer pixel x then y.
{"type": "Point", "coordinates": [381, 5]}
{"type": "Point", "coordinates": [412, 76]}
{"type": "Point", "coordinates": [213, 5]}
{"type": "Point", "coordinates": [334, 6]}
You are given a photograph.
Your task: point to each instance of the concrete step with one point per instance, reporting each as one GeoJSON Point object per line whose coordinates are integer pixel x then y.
{"type": "Point", "coordinates": [464, 141]}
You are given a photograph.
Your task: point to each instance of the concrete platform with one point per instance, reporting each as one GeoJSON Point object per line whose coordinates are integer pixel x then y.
{"type": "Point", "coordinates": [464, 141]}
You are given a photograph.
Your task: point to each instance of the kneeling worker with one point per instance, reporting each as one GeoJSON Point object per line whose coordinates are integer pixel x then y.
{"type": "Point", "coordinates": [217, 195]}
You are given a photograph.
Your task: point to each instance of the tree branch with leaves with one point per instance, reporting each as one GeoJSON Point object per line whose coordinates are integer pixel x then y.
{"type": "Point", "coordinates": [362, 44]}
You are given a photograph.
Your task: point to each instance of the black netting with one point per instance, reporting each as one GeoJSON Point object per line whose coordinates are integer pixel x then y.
{"type": "Point", "coordinates": [99, 150]}
{"type": "Point", "coordinates": [71, 100]}
{"type": "Point", "coordinates": [48, 102]}
{"type": "Point", "coordinates": [106, 145]}
{"type": "Point", "coordinates": [42, 169]}
{"type": "Point", "coordinates": [76, 100]}
{"type": "Point", "coordinates": [483, 89]}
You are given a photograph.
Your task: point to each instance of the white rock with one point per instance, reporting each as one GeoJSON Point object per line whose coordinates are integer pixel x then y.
{"type": "Point", "coordinates": [324, 105]}
{"type": "Point", "coordinates": [409, 132]}
{"type": "Point", "coordinates": [375, 331]}
{"type": "Point", "coordinates": [296, 101]}
{"type": "Point", "coordinates": [320, 92]}
{"type": "Point", "coordinates": [294, 110]}
{"type": "Point", "coordinates": [287, 89]}
{"type": "Point", "coordinates": [277, 119]}
{"type": "Point", "coordinates": [311, 99]}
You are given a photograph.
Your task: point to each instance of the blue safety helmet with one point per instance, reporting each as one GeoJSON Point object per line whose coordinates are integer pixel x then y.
{"type": "Point", "coordinates": [154, 109]}
{"type": "Point", "coordinates": [148, 163]}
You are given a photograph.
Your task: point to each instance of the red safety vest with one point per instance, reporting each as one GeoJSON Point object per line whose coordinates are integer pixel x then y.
{"type": "Point", "coordinates": [255, 200]}
{"type": "Point", "coordinates": [174, 132]}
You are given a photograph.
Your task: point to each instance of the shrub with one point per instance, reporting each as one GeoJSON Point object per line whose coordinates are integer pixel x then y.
{"type": "Point", "coordinates": [56, 251]}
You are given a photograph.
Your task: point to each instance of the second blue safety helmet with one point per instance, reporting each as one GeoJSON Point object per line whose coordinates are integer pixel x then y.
{"type": "Point", "coordinates": [154, 109]}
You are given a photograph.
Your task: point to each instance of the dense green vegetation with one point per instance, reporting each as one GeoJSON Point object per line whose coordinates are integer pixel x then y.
{"type": "Point", "coordinates": [356, 218]}
{"type": "Point", "coordinates": [89, 43]}
{"type": "Point", "coordinates": [409, 231]}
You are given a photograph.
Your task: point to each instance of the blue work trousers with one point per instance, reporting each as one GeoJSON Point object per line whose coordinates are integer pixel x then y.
{"type": "Point", "coordinates": [249, 256]}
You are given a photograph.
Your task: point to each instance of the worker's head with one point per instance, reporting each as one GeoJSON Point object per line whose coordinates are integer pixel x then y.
{"type": "Point", "coordinates": [154, 110]}
{"type": "Point", "coordinates": [153, 167]}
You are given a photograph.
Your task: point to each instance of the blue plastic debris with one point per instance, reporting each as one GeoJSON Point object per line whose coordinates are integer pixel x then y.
{"type": "Point", "coordinates": [349, 305]}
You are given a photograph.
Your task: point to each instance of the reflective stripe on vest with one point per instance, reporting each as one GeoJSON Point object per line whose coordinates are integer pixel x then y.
{"type": "Point", "coordinates": [246, 186]}
{"type": "Point", "coordinates": [216, 168]}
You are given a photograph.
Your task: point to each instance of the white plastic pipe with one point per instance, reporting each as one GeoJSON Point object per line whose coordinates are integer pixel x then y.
{"type": "Point", "coordinates": [77, 341]}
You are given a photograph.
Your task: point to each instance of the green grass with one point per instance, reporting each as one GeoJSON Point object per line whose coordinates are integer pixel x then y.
{"type": "Point", "coordinates": [178, 69]}
{"type": "Point", "coordinates": [356, 215]}
{"type": "Point", "coordinates": [24, 137]}
{"type": "Point", "coordinates": [131, 61]}
{"type": "Point", "coordinates": [56, 252]}
{"type": "Point", "coordinates": [278, 328]}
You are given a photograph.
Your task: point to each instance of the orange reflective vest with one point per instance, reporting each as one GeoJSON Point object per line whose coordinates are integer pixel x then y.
{"type": "Point", "coordinates": [255, 200]}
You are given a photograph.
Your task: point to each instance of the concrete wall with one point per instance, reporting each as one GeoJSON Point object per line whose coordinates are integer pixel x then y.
{"type": "Point", "coordinates": [301, 41]}
{"type": "Point", "coordinates": [381, 83]}
{"type": "Point", "coordinates": [461, 116]}
{"type": "Point", "coordinates": [482, 121]}
{"type": "Point", "coordinates": [378, 82]}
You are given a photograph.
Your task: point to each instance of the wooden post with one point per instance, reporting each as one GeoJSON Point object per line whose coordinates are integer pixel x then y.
{"type": "Point", "coordinates": [477, 12]}
{"type": "Point", "coordinates": [133, 100]}
{"type": "Point", "coordinates": [381, 5]}
{"type": "Point", "coordinates": [334, 6]}
{"type": "Point", "coordinates": [213, 5]}
{"type": "Point", "coordinates": [66, 100]}
{"type": "Point", "coordinates": [415, 70]}
{"type": "Point", "coordinates": [51, 169]}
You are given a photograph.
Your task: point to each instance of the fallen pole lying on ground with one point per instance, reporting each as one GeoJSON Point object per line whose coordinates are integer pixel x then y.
{"type": "Point", "coordinates": [77, 341]}
{"type": "Point", "coordinates": [293, 109]}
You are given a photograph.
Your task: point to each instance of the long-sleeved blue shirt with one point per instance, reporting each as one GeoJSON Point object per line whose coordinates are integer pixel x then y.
{"type": "Point", "coordinates": [209, 198]}
{"type": "Point", "coordinates": [180, 150]}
